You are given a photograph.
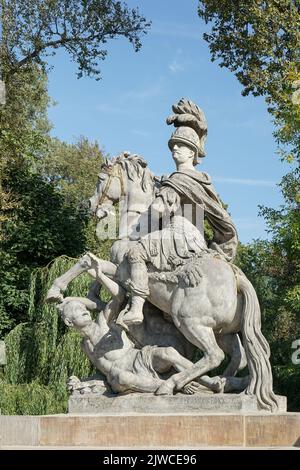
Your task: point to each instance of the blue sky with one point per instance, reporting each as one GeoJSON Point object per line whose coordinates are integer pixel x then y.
{"type": "Point", "coordinates": [127, 109]}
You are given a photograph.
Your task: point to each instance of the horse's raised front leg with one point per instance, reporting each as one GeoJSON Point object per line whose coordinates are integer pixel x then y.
{"type": "Point", "coordinates": [55, 293]}
{"type": "Point", "coordinates": [84, 264]}
{"type": "Point", "coordinates": [203, 337]}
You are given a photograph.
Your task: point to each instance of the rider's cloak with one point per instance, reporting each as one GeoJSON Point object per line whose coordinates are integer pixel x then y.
{"type": "Point", "coordinates": [195, 187]}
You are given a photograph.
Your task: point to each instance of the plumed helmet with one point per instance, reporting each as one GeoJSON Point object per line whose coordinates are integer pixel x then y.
{"type": "Point", "coordinates": [185, 135]}
{"type": "Point", "coordinates": [191, 127]}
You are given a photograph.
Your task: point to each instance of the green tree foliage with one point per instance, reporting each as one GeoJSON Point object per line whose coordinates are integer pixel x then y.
{"type": "Point", "coordinates": [24, 129]}
{"type": "Point", "coordinates": [42, 214]}
{"type": "Point", "coordinates": [37, 231]}
{"type": "Point", "coordinates": [48, 219]}
{"type": "Point", "coordinates": [72, 168]}
{"type": "Point", "coordinates": [258, 40]}
{"type": "Point", "coordinates": [41, 352]}
{"type": "Point", "coordinates": [284, 225]}
{"type": "Point", "coordinates": [274, 269]}
{"type": "Point", "coordinates": [287, 118]}
{"type": "Point", "coordinates": [33, 29]}
{"type": "Point", "coordinates": [31, 399]}
{"type": "Point", "coordinates": [23, 136]}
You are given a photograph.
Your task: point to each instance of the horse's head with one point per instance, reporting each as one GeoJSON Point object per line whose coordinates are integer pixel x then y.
{"type": "Point", "coordinates": [109, 190]}
{"type": "Point", "coordinates": [125, 176]}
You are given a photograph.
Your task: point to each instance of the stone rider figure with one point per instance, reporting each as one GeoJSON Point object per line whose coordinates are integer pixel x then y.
{"type": "Point", "coordinates": [170, 247]}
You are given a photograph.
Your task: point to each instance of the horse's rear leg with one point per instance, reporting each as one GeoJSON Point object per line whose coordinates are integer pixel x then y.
{"type": "Point", "coordinates": [231, 345]}
{"type": "Point", "coordinates": [203, 337]}
{"type": "Point", "coordinates": [166, 357]}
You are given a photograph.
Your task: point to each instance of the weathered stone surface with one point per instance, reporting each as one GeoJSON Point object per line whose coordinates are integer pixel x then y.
{"type": "Point", "coordinates": [2, 93]}
{"type": "Point", "coordinates": [150, 431]}
{"type": "Point", "coordinates": [2, 354]}
{"type": "Point", "coordinates": [19, 430]}
{"type": "Point", "coordinates": [143, 431]}
{"type": "Point", "coordinates": [180, 403]}
{"type": "Point", "coordinates": [266, 430]}
{"type": "Point", "coordinates": [259, 430]}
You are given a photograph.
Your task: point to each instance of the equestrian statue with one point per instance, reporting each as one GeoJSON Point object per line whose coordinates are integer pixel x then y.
{"type": "Point", "coordinates": [178, 304]}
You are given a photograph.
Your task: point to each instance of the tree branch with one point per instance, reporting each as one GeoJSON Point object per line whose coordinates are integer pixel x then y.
{"type": "Point", "coordinates": [61, 42]}
{"type": "Point", "coordinates": [36, 52]}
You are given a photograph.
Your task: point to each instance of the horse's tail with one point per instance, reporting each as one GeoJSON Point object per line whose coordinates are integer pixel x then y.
{"type": "Point", "coordinates": [256, 348]}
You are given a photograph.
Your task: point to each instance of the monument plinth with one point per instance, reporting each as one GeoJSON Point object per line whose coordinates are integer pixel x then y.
{"type": "Point", "coordinates": [150, 431]}
{"type": "Point", "coordinates": [142, 403]}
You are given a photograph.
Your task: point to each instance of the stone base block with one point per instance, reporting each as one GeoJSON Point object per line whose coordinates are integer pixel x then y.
{"type": "Point", "coordinates": [137, 403]}
{"type": "Point", "coordinates": [152, 431]}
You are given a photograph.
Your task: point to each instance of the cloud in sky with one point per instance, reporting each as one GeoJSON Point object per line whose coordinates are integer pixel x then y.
{"type": "Point", "coordinates": [148, 92]}
{"type": "Point", "coordinates": [177, 30]}
{"type": "Point", "coordinates": [245, 181]}
{"type": "Point", "coordinates": [176, 67]}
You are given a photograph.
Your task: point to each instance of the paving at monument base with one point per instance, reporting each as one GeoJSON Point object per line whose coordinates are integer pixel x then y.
{"type": "Point", "coordinates": [177, 431]}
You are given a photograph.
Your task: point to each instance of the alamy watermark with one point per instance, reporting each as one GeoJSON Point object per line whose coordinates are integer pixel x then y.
{"type": "Point", "coordinates": [296, 354]}
{"type": "Point", "coordinates": [296, 93]}
{"type": "Point", "coordinates": [2, 92]}
{"type": "Point", "coordinates": [127, 223]}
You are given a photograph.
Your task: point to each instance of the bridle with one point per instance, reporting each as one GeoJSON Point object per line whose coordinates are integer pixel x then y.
{"type": "Point", "coordinates": [112, 172]}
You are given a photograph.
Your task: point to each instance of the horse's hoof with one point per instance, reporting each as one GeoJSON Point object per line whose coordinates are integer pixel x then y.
{"type": "Point", "coordinates": [85, 261]}
{"type": "Point", "coordinates": [54, 295]}
{"type": "Point", "coordinates": [94, 260]}
{"type": "Point", "coordinates": [218, 384]}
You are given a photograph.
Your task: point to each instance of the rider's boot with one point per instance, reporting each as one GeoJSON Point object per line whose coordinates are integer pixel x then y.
{"type": "Point", "coordinates": [135, 316]}
{"type": "Point", "coordinates": [139, 289]}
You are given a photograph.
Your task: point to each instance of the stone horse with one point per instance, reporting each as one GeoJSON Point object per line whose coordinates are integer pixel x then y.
{"type": "Point", "coordinates": [209, 300]}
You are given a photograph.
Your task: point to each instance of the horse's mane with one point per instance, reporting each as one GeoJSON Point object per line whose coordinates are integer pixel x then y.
{"type": "Point", "coordinates": [135, 167]}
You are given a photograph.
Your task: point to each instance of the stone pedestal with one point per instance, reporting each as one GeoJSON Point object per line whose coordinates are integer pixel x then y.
{"type": "Point", "coordinates": [2, 344]}
{"type": "Point", "coordinates": [2, 354]}
{"type": "Point", "coordinates": [143, 403]}
{"type": "Point", "coordinates": [150, 431]}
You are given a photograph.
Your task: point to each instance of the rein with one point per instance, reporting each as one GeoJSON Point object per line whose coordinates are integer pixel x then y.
{"type": "Point", "coordinates": [113, 172]}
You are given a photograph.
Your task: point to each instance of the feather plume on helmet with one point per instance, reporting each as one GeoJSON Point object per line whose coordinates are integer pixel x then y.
{"type": "Point", "coordinates": [191, 126]}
